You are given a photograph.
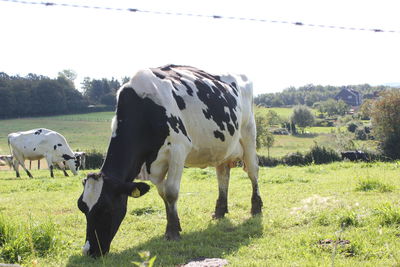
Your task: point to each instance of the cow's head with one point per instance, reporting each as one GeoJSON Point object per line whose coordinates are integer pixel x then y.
{"type": "Point", "coordinates": [72, 162]}
{"type": "Point", "coordinates": [103, 202]}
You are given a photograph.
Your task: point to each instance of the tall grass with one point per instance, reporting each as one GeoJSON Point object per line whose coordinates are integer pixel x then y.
{"type": "Point", "coordinates": [23, 242]}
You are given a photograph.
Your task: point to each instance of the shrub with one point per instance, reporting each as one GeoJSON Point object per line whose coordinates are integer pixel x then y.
{"type": "Point", "coordinates": [295, 159]}
{"type": "Point", "coordinates": [94, 159]}
{"type": "Point", "coordinates": [360, 134]}
{"type": "Point", "coordinates": [322, 155]}
{"type": "Point", "coordinates": [352, 126]}
{"type": "Point", "coordinates": [268, 162]}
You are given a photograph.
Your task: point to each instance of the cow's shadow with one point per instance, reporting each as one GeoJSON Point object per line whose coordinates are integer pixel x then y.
{"type": "Point", "coordinates": [219, 239]}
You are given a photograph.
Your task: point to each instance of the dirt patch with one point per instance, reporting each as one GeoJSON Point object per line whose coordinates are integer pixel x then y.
{"type": "Point", "coordinates": [205, 262]}
{"type": "Point", "coordinates": [328, 242]}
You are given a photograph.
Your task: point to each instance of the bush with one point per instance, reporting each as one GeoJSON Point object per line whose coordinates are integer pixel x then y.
{"type": "Point", "coordinates": [268, 162]}
{"type": "Point", "coordinates": [94, 159]}
{"type": "Point", "coordinates": [322, 155]}
{"type": "Point", "coordinates": [352, 126]}
{"type": "Point", "coordinates": [323, 123]}
{"type": "Point", "coordinates": [295, 159]}
{"type": "Point", "coordinates": [361, 134]}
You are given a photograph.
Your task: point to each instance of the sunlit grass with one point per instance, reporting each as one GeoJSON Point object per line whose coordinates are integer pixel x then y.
{"type": "Point", "coordinates": [303, 206]}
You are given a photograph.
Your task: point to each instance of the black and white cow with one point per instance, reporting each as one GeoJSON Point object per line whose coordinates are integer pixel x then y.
{"type": "Point", "coordinates": [42, 143]}
{"type": "Point", "coordinates": [168, 118]}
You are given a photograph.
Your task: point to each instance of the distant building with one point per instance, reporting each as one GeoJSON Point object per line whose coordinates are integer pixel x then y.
{"type": "Point", "coordinates": [350, 97]}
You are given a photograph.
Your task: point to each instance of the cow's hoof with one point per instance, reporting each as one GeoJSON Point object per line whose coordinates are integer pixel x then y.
{"type": "Point", "coordinates": [256, 206]}
{"type": "Point", "coordinates": [171, 236]}
{"type": "Point", "coordinates": [218, 215]}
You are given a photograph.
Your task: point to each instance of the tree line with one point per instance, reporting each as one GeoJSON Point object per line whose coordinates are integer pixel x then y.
{"type": "Point", "coordinates": [310, 95]}
{"type": "Point", "coordinates": [38, 95]}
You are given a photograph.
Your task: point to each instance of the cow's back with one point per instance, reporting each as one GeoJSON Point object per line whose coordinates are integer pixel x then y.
{"type": "Point", "coordinates": [207, 111]}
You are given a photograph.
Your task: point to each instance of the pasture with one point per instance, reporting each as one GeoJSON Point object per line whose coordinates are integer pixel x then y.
{"type": "Point", "coordinates": [345, 213]}
{"type": "Point", "coordinates": [342, 213]}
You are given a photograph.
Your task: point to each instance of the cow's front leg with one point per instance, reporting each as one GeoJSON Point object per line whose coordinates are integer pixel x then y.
{"type": "Point", "coordinates": [169, 191]}
{"type": "Point", "coordinates": [51, 171]}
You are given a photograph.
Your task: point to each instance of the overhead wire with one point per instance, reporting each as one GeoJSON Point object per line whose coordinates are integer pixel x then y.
{"type": "Point", "coordinates": [217, 17]}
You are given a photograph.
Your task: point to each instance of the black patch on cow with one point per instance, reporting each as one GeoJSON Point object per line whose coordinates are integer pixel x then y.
{"type": "Point", "coordinates": [141, 132]}
{"type": "Point", "coordinates": [59, 144]}
{"type": "Point", "coordinates": [177, 125]}
{"type": "Point", "coordinates": [168, 72]}
{"type": "Point", "coordinates": [55, 147]}
{"type": "Point", "coordinates": [217, 100]}
{"type": "Point", "coordinates": [66, 156]}
{"type": "Point", "coordinates": [34, 149]}
{"type": "Point", "coordinates": [38, 132]}
{"type": "Point", "coordinates": [179, 101]}
{"type": "Point", "coordinates": [219, 135]}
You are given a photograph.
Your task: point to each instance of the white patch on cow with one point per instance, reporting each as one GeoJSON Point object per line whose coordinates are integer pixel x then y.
{"type": "Point", "coordinates": [114, 125]}
{"type": "Point", "coordinates": [92, 191]}
{"type": "Point", "coordinates": [86, 248]}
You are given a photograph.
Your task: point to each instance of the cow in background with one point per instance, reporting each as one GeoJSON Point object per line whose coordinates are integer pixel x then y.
{"type": "Point", "coordinates": [7, 159]}
{"type": "Point", "coordinates": [41, 143]}
{"type": "Point", "coordinates": [354, 155]}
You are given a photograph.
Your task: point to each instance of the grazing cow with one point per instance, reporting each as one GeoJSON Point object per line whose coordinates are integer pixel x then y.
{"type": "Point", "coordinates": [168, 118]}
{"type": "Point", "coordinates": [42, 143]}
{"type": "Point", "coordinates": [7, 159]}
{"type": "Point", "coordinates": [354, 155]}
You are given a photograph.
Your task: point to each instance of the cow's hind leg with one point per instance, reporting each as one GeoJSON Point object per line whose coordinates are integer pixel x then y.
{"type": "Point", "coordinates": [26, 170]}
{"type": "Point", "coordinates": [169, 191]}
{"type": "Point", "coordinates": [221, 207]}
{"type": "Point", "coordinates": [15, 165]}
{"type": "Point", "coordinates": [251, 167]}
{"type": "Point", "coordinates": [63, 167]}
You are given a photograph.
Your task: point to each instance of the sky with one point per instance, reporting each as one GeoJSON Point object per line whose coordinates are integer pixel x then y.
{"type": "Point", "coordinates": [104, 44]}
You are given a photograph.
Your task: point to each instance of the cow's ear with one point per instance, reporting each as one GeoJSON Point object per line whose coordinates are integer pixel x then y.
{"type": "Point", "coordinates": [133, 189]}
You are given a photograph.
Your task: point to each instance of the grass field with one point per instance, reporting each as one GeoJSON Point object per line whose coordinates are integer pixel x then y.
{"type": "Point", "coordinates": [306, 210]}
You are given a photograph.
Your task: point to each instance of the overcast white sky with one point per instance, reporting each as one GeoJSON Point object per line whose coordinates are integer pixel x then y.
{"type": "Point", "coordinates": [99, 43]}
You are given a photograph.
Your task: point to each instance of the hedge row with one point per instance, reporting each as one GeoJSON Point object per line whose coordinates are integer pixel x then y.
{"type": "Point", "coordinates": [316, 155]}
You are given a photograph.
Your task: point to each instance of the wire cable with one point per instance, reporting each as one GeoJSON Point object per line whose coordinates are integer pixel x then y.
{"type": "Point", "coordinates": [154, 12]}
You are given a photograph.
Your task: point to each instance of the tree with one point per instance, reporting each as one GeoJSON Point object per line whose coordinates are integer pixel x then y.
{"type": "Point", "coordinates": [303, 117]}
{"type": "Point", "coordinates": [262, 130]}
{"type": "Point", "coordinates": [385, 117]}
{"type": "Point", "coordinates": [269, 141]}
{"type": "Point", "coordinates": [68, 74]}
{"type": "Point", "coordinates": [366, 109]}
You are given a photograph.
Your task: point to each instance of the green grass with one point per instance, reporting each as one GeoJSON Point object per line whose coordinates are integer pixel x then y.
{"type": "Point", "coordinates": [302, 207]}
